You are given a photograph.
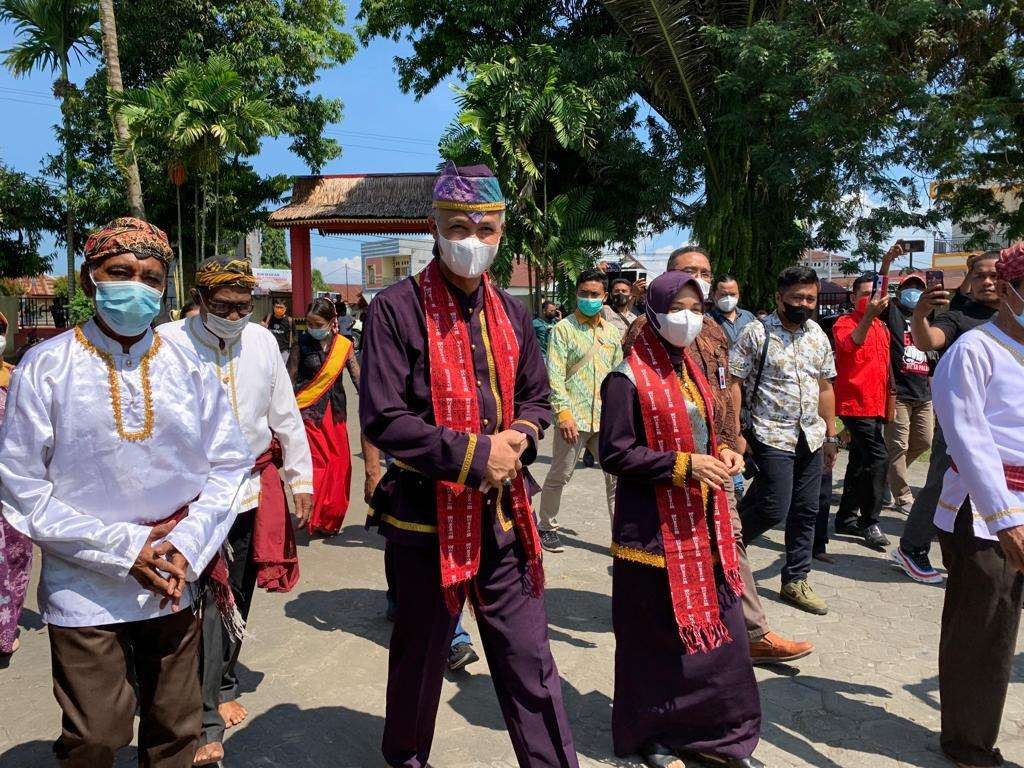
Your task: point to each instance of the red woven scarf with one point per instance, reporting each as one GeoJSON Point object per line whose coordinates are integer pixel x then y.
{"type": "Point", "coordinates": [682, 510]}
{"type": "Point", "coordinates": [454, 395]}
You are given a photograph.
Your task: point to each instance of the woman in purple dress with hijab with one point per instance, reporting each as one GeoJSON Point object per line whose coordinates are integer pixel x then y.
{"type": "Point", "coordinates": [684, 684]}
{"type": "Point", "coordinates": [15, 549]}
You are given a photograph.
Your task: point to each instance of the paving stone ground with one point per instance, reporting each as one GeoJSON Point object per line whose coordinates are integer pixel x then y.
{"type": "Point", "coordinates": [314, 672]}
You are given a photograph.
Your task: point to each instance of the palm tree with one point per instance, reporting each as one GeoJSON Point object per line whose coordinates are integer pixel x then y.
{"type": "Point", "coordinates": [108, 26]}
{"type": "Point", "coordinates": [514, 112]}
{"type": "Point", "coordinates": [199, 114]}
{"type": "Point", "coordinates": [50, 32]}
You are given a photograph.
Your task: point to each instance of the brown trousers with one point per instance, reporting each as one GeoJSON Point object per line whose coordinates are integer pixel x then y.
{"type": "Point", "coordinates": [90, 681]}
{"type": "Point", "coordinates": [980, 618]}
{"type": "Point", "coordinates": [753, 611]}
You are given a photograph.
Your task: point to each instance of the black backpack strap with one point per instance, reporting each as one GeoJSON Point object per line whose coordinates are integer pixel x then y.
{"type": "Point", "coordinates": [752, 395]}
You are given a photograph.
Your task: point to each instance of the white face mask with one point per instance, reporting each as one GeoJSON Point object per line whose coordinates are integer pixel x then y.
{"type": "Point", "coordinates": [469, 257]}
{"type": "Point", "coordinates": [680, 328]}
{"type": "Point", "coordinates": [727, 303]}
{"type": "Point", "coordinates": [705, 288]}
{"type": "Point", "coordinates": [222, 328]}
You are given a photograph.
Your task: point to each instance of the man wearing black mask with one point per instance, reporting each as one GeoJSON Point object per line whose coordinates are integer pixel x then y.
{"type": "Point", "coordinates": [618, 311]}
{"type": "Point", "coordinates": [793, 429]}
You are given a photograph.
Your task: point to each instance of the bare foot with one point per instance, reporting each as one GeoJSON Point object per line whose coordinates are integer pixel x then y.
{"type": "Point", "coordinates": [232, 713]}
{"type": "Point", "coordinates": [14, 647]}
{"type": "Point", "coordinates": [208, 754]}
{"type": "Point", "coordinates": [825, 558]}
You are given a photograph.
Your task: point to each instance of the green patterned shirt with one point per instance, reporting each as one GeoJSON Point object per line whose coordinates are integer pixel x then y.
{"type": "Point", "coordinates": [580, 396]}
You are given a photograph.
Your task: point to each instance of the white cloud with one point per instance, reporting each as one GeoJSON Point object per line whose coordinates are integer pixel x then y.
{"type": "Point", "coordinates": [333, 267]}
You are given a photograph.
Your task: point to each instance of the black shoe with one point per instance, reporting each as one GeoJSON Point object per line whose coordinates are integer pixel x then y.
{"type": "Point", "coordinates": [461, 656]}
{"type": "Point", "coordinates": [588, 459]}
{"type": "Point", "coordinates": [660, 756]}
{"type": "Point", "coordinates": [848, 529]}
{"type": "Point", "coordinates": [550, 541]}
{"type": "Point", "coordinates": [874, 537]}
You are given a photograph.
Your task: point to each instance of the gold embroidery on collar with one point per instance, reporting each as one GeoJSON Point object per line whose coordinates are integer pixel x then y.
{"type": "Point", "coordinates": [114, 387]}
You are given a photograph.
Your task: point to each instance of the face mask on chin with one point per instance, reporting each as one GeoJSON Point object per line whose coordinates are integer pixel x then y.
{"type": "Point", "coordinates": [468, 258]}
{"type": "Point", "coordinates": [680, 328]}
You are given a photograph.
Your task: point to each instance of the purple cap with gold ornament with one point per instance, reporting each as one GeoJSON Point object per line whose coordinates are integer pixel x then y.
{"type": "Point", "coordinates": [472, 188]}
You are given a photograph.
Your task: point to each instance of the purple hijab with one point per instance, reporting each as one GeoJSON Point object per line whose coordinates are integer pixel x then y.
{"type": "Point", "coordinates": [663, 290]}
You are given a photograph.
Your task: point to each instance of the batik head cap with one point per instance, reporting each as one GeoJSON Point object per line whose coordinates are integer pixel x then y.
{"type": "Point", "coordinates": [1010, 266]}
{"type": "Point", "coordinates": [219, 271]}
{"type": "Point", "coordinates": [473, 189]}
{"type": "Point", "coordinates": [128, 235]}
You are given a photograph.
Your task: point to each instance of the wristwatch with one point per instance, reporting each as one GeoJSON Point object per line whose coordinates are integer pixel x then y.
{"type": "Point", "coordinates": [834, 440]}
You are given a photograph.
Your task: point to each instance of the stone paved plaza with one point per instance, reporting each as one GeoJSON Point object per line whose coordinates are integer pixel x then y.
{"type": "Point", "coordinates": [315, 669]}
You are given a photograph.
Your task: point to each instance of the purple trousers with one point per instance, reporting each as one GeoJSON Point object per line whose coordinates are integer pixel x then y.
{"type": "Point", "coordinates": [15, 569]}
{"type": "Point", "coordinates": [514, 634]}
{"type": "Point", "coordinates": [696, 702]}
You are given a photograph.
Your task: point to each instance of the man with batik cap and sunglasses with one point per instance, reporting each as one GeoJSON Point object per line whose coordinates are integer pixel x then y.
{"type": "Point", "coordinates": [458, 395]}
{"type": "Point", "coordinates": [121, 458]}
{"type": "Point", "coordinates": [260, 549]}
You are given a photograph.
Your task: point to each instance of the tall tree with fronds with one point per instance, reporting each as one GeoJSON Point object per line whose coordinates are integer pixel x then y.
{"type": "Point", "coordinates": [111, 57]}
{"type": "Point", "coordinates": [516, 112]}
{"type": "Point", "coordinates": [49, 33]}
{"type": "Point", "coordinates": [795, 112]}
{"type": "Point", "coordinates": [201, 116]}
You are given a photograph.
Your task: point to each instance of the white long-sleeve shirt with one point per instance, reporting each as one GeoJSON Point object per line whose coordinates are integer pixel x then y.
{"type": "Point", "coordinates": [88, 497]}
{"type": "Point", "coordinates": [253, 375]}
{"type": "Point", "coordinates": [978, 391]}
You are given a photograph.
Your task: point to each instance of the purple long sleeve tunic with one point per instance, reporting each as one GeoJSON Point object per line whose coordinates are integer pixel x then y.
{"type": "Point", "coordinates": [397, 415]}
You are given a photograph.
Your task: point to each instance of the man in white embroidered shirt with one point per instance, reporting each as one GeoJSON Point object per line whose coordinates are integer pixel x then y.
{"type": "Point", "coordinates": [979, 402]}
{"type": "Point", "coordinates": [260, 548]}
{"type": "Point", "coordinates": [120, 457]}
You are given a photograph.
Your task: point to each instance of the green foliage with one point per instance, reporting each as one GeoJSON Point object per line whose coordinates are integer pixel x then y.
{"type": "Point", "coordinates": [60, 287]}
{"type": "Point", "coordinates": [550, 104]}
{"type": "Point", "coordinates": [850, 267]}
{"type": "Point", "coordinates": [277, 49]}
{"type": "Point", "coordinates": [49, 33]}
{"type": "Point", "coordinates": [794, 114]}
{"type": "Point", "coordinates": [81, 308]}
{"type": "Point", "coordinates": [274, 255]}
{"type": "Point", "coordinates": [28, 209]}
{"type": "Point", "coordinates": [319, 284]}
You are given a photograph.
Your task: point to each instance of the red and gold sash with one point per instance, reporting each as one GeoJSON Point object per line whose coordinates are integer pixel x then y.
{"type": "Point", "coordinates": [682, 510]}
{"type": "Point", "coordinates": [454, 395]}
{"type": "Point", "coordinates": [333, 365]}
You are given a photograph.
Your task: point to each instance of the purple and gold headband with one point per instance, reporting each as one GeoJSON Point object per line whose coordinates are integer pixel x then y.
{"type": "Point", "coordinates": [473, 189]}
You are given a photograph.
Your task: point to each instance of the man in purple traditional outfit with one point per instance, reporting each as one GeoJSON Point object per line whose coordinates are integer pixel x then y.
{"type": "Point", "coordinates": [457, 393]}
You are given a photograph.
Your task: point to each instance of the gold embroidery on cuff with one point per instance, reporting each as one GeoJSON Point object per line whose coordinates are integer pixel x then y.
{"type": "Point", "coordinates": [533, 427]}
{"type": "Point", "coordinates": [681, 469]}
{"type": "Point", "coordinates": [634, 555]}
{"type": "Point", "coordinates": [403, 525]}
{"type": "Point", "coordinates": [950, 507]}
{"type": "Point", "coordinates": [295, 485]}
{"type": "Point", "coordinates": [1010, 512]}
{"type": "Point", "coordinates": [467, 462]}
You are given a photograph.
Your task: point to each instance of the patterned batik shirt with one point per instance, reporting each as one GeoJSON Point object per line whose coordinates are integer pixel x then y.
{"type": "Point", "coordinates": [786, 402]}
{"type": "Point", "coordinates": [580, 396]}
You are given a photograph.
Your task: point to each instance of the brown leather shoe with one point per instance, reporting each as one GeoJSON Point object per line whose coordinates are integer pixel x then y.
{"type": "Point", "coordinates": [775, 649]}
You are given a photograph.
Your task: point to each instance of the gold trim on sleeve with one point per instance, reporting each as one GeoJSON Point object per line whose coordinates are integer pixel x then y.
{"type": "Point", "coordinates": [467, 462]}
{"type": "Point", "coordinates": [681, 469]}
{"type": "Point", "coordinates": [528, 424]}
{"type": "Point", "coordinates": [1009, 512]}
{"type": "Point", "coordinates": [635, 555]}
